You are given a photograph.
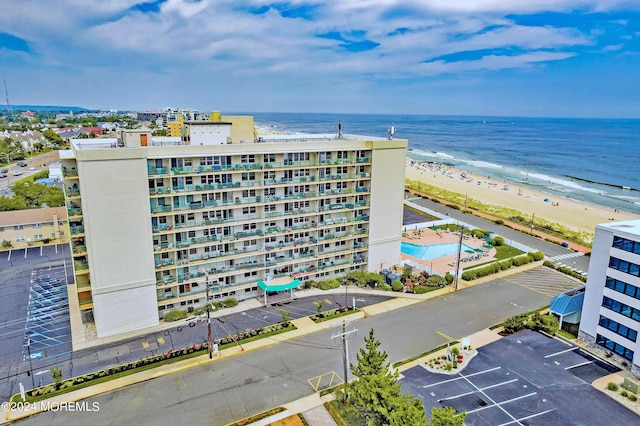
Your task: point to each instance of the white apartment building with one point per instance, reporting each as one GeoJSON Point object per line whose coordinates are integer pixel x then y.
{"type": "Point", "coordinates": [154, 221]}
{"type": "Point", "coordinates": [611, 309]}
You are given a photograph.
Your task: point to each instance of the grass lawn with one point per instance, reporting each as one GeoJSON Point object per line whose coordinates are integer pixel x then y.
{"type": "Point", "coordinates": [505, 252]}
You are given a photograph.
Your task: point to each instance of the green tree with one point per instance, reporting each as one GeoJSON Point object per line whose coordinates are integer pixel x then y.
{"type": "Point", "coordinates": [286, 316]}
{"type": "Point", "coordinates": [318, 304]}
{"type": "Point", "coordinates": [446, 416]}
{"type": "Point", "coordinates": [377, 394]}
{"type": "Point", "coordinates": [12, 203]}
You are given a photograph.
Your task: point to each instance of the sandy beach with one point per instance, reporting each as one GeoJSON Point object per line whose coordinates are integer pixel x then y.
{"type": "Point", "coordinates": [563, 210]}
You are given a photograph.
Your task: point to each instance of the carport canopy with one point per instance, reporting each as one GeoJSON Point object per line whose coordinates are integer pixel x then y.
{"type": "Point", "coordinates": [279, 284]}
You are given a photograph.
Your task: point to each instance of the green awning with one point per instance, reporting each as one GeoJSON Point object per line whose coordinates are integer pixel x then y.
{"type": "Point", "coordinates": [279, 284]}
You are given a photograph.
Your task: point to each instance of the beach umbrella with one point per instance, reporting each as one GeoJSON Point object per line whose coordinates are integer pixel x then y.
{"type": "Point", "coordinates": [469, 251]}
{"type": "Point", "coordinates": [478, 250]}
{"type": "Point", "coordinates": [490, 240]}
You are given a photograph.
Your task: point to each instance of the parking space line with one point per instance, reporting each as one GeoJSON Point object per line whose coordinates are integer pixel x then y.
{"type": "Point", "coordinates": [579, 365]}
{"type": "Point", "coordinates": [462, 377]}
{"type": "Point", "coordinates": [490, 399]}
{"type": "Point", "coordinates": [481, 389]}
{"type": "Point", "coordinates": [498, 404]}
{"type": "Point", "coordinates": [528, 417]}
{"type": "Point", "coordinates": [561, 352]}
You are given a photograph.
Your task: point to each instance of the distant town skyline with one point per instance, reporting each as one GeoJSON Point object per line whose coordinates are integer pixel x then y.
{"type": "Point", "coordinates": [549, 58]}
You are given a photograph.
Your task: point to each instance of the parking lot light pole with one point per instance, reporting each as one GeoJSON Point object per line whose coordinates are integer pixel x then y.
{"type": "Point", "coordinates": [28, 345]}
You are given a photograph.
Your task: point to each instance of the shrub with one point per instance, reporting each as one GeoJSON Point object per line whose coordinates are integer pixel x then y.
{"type": "Point", "coordinates": [455, 351]}
{"type": "Point", "coordinates": [230, 302]}
{"type": "Point", "coordinates": [499, 222]}
{"type": "Point", "coordinates": [514, 323]}
{"type": "Point", "coordinates": [396, 285]}
{"type": "Point", "coordinates": [505, 264]}
{"type": "Point", "coordinates": [633, 397]}
{"type": "Point", "coordinates": [547, 323]}
{"type": "Point", "coordinates": [384, 287]}
{"type": "Point", "coordinates": [624, 393]}
{"type": "Point", "coordinates": [329, 284]}
{"type": "Point", "coordinates": [478, 233]}
{"type": "Point", "coordinates": [420, 289]}
{"type": "Point", "coordinates": [536, 256]}
{"type": "Point", "coordinates": [612, 386]}
{"type": "Point", "coordinates": [175, 315]}
{"type": "Point", "coordinates": [436, 281]}
{"type": "Point", "coordinates": [449, 277]}
{"type": "Point", "coordinates": [498, 241]}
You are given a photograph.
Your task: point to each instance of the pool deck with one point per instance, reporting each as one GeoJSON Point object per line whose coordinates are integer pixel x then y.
{"type": "Point", "coordinates": [426, 237]}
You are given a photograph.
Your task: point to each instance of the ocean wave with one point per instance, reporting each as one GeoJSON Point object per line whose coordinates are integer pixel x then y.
{"type": "Point", "coordinates": [566, 183]}
{"type": "Point", "coordinates": [434, 154]}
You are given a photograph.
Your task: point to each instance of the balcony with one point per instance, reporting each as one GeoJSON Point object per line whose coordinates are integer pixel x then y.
{"type": "Point", "coordinates": [69, 174]}
{"type": "Point", "coordinates": [160, 209]}
{"type": "Point", "coordinates": [74, 211]}
{"type": "Point", "coordinates": [362, 160]}
{"type": "Point", "coordinates": [72, 192]}
{"type": "Point", "coordinates": [157, 171]}
{"type": "Point", "coordinates": [79, 250]}
{"type": "Point", "coordinates": [75, 230]}
{"type": "Point", "coordinates": [164, 262]}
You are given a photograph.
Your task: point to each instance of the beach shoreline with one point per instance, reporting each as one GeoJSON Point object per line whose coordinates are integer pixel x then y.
{"type": "Point", "coordinates": [573, 214]}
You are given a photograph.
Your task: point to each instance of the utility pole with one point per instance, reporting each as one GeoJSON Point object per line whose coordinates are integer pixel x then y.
{"type": "Point", "coordinates": [345, 350]}
{"type": "Point", "coordinates": [455, 288]}
{"type": "Point", "coordinates": [533, 217]}
{"type": "Point", "coordinates": [209, 343]}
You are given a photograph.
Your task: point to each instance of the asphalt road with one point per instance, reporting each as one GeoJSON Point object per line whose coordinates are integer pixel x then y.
{"type": "Point", "coordinates": [549, 249]}
{"type": "Point", "coordinates": [38, 162]}
{"type": "Point", "coordinates": [239, 386]}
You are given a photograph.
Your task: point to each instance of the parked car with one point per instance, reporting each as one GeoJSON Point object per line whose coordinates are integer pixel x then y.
{"type": "Point", "coordinates": [21, 164]}
{"type": "Point", "coordinates": [17, 173]}
{"type": "Point", "coordinates": [32, 169]}
{"type": "Point", "coordinates": [3, 175]}
{"type": "Point", "coordinates": [5, 170]}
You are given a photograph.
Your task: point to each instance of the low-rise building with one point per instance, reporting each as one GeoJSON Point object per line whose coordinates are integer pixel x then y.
{"type": "Point", "coordinates": [27, 228]}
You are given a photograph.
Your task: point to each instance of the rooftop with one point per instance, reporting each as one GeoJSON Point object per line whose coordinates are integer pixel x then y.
{"type": "Point", "coordinates": [631, 227]}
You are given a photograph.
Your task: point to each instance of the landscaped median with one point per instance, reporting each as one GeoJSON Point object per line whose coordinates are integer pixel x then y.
{"type": "Point", "coordinates": [108, 379]}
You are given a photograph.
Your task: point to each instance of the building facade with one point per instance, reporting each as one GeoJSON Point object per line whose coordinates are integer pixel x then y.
{"type": "Point", "coordinates": [611, 311]}
{"type": "Point", "coordinates": [28, 228]}
{"type": "Point", "coordinates": [154, 221]}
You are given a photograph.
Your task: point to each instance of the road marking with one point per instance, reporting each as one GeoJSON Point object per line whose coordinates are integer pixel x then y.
{"type": "Point", "coordinates": [480, 389]}
{"type": "Point", "coordinates": [498, 404]}
{"type": "Point", "coordinates": [579, 365]}
{"type": "Point", "coordinates": [561, 352]}
{"type": "Point", "coordinates": [528, 417]}
{"type": "Point", "coordinates": [461, 377]}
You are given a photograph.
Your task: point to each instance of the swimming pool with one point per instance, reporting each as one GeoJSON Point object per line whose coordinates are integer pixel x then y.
{"type": "Point", "coordinates": [431, 252]}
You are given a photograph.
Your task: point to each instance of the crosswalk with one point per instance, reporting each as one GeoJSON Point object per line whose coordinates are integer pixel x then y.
{"type": "Point", "coordinates": [567, 255]}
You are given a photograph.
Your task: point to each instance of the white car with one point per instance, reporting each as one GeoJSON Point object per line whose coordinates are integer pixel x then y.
{"type": "Point", "coordinates": [32, 169]}
{"type": "Point", "coordinates": [17, 173]}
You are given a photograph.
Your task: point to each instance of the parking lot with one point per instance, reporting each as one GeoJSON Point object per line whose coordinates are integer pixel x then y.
{"type": "Point", "coordinates": [526, 378]}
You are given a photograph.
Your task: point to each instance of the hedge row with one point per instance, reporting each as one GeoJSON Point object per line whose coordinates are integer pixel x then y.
{"type": "Point", "coordinates": [501, 265]}
{"type": "Point", "coordinates": [154, 359]}
{"type": "Point", "coordinates": [565, 271]}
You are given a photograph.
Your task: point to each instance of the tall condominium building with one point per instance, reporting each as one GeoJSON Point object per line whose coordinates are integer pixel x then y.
{"type": "Point", "coordinates": [155, 221]}
{"type": "Point", "coordinates": [611, 310]}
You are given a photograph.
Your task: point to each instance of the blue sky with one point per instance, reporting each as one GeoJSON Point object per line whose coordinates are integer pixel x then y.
{"type": "Point", "coordinates": [555, 58]}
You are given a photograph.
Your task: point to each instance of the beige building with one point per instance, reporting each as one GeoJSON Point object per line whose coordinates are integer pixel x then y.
{"type": "Point", "coordinates": [28, 228]}
{"type": "Point", "coordinates": [154, 221]}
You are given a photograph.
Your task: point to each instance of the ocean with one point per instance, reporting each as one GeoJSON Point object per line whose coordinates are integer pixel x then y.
{"type": "Point", "coordinates": [596, 161]}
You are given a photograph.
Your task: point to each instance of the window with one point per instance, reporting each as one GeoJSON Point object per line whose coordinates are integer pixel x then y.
{"type": "Point", "coordinates": [20, 239]}
{"type": "Point", "coordinates": [626, 245]}
{"type": "Point", "coordinates": [18, 227]}
{"type": "Point", "coordinates": [621, 308]}
{"type": "Point", "coordinates": [1, 228]}
{"type": "Point", "coordinates": [615, 347]}
{"type": "Point", "coordinates": [622, 287]}
{"type": "Point", "coordinates": [624, 266]}
{"type": "Point", "coordinates": [38, 237]}
{"type": "Point", "coordinates": [617, 328]}
{"type": "Point", "coordinates": [37, 225]}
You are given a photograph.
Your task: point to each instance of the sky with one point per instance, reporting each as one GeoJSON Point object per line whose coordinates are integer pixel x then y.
{"type": "Point", "coordinates": [548, 58]}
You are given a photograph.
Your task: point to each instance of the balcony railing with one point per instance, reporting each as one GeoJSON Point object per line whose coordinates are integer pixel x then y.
{"type": "Point", "coordinates": [75, 211]}
{"type": "Point", "coordinates": [72, 192]}
{"type": "Point", "coordinates": [75, 230]}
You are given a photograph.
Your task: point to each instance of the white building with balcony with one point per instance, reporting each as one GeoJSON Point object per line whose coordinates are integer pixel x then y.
{"type": "Point", "coordinates": [153, 221]}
